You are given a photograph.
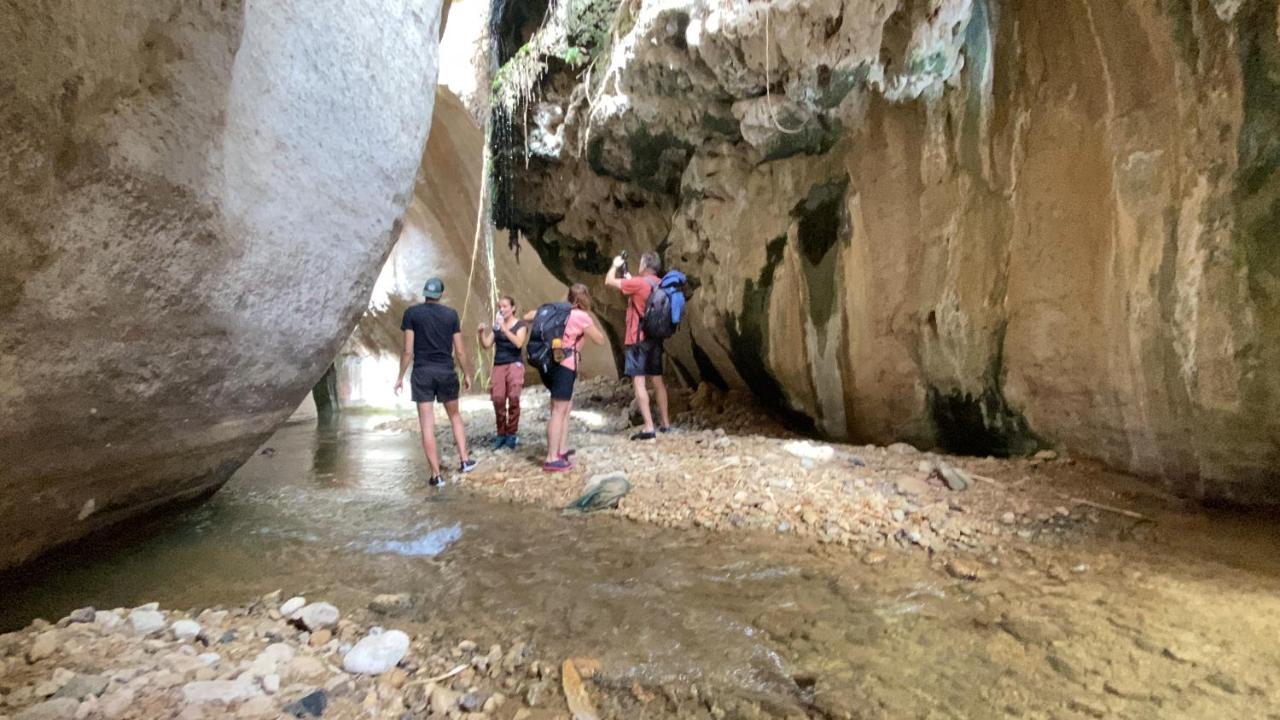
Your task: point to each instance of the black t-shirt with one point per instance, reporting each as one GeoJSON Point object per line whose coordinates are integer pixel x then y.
{"type": "Point", "coordinates": [505, 352]}
{"type": "Point", "coordinates": [433, 326]}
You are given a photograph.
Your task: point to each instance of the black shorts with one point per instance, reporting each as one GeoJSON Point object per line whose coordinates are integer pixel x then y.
{"type": "Point", "coordinates": [560, 382]}
{"type": "Point", "coordinates": [434, 385]}
{"type": "Point", "coordinates": [644, 359]}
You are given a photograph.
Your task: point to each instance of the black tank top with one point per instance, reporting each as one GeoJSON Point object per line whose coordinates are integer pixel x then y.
{"type": "Point", "coordinates": [504, 351]}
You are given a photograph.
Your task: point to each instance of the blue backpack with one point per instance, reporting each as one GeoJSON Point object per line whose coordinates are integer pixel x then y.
{"type": "Point", "coordinates": [665, 307]}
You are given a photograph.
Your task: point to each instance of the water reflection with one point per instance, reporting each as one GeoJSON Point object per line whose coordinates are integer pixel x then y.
{"type": "Point", "coordinates": [431, 544]}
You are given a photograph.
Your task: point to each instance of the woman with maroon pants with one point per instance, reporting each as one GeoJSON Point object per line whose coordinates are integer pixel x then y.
{"type": "Point", "coordinates": [507, 335]}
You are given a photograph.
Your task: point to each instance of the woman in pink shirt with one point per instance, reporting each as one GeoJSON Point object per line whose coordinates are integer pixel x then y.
{"type": "Point", "coordinates": [562, 376]}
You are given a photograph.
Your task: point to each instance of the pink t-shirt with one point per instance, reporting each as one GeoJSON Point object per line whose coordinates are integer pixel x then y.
{"type": "Point", "coordinates": [574, 331]}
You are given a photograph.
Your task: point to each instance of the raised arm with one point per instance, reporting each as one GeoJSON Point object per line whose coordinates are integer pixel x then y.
{"type": "Point", "coordinates": [406, 357]}
{"type": "Point", "coordinates": [614, 277]}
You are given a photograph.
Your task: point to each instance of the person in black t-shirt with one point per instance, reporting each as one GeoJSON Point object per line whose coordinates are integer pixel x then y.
{"type": "Point", "coordinates": [506, 335]}
{"type": "Point", "coordinates": [432, 338]}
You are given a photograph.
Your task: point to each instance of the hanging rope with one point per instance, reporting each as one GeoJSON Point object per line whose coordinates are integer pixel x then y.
{"type": "Point", "coordinates": [482, 220]}
{"type": "Point", "coordinates": [768, 80]}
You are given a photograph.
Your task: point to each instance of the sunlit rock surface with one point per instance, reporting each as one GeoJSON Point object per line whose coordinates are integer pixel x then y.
{"type": "Point", "coordinates": [439, 238]}
{"type": "Point", "coordinates": [984, 225]}
{"type": "Point", "coordinates": [195, 199]}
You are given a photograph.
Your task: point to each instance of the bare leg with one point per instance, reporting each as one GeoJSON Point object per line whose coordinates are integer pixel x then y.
{"type": "Point", "coordinates": [459, 430]}
{"type": "Point", "coordinates": [660, 389]}
{"type": "Point", "coordinates": [554, 434]}
{"type": "Point", "coordinates": [427, 423]}
{"type": "Point", "coordinates": [642, 399]}
{"type": "Point", "coordinates": [564, 429]}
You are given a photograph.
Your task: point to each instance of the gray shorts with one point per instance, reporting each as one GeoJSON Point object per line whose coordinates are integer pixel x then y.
{"type": "Point", "coordinates": [644, 359]}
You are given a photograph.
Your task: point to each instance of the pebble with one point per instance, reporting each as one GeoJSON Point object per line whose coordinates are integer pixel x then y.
{"type": "Point", "coordinates": [46, 643]}
{"type": "Point", "coordinates": [444, 700]}
{"type": "Point", "coordinates": [59, 709]}
{"type": "Point", "coordinates": [306, 668]}
{"type": "Point", "coordinates": [319, 616]}
{"type": "Point", "coordinates": [309, 705]}
{"type": "Point", "coordinates": [80, 687]}
{"type": "Point", "coordinates": [83, 615]}
{"type": "Point", "coordinates": [1046, 455]}
{"type": "Point", "coordinates": [292, 605]}
{"type": "Point", "coordinates": [107, 618]}
{"type": "Point", "coordinates": [1008, 518]}
{"type": "Point", "coordinates": [146, 621]}
{"type": "Point", "coordinates": [391, 604]}
{"type": "Point", "coordinates": [376, 654]}
{"type": "Point", "coordinates": [320, 638]}
{"type": "Point", "coordinates": [965, 569]}
{"type": "Point", "coordinates": [185, 629]}
{"type": "Point", "coordinates": [257, 708]}
{"type": "Point", "coordinates": [223, 691]}
{"type": "Point", "coordinates": [270, 660]}
{"type": "Point", "coordinates": [271, 684]}
{"type": "Point", "coordinates": [117, 703]}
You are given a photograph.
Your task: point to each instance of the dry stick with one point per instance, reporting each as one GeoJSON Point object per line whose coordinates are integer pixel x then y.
{"type": "Point", "coordinates": [449, 674]}
{"type": "Point", "coordinates": [1108, 508]}
{"type": "Point", "coordinates": [985, 479]}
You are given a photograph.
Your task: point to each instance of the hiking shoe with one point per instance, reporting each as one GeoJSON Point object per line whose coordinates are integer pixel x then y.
{"type": "Point", "coordinates": [467, 466]}
{"type": "Point", "coordinates": [436, 481]}
{"type": "Point", "coordinates": [644, 435]}
{"type": "Point", "coordinates": [560, 465]}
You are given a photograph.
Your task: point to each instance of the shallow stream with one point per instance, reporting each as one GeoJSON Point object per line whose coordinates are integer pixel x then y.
{"type": "Point", "coordinates": [342, 513]}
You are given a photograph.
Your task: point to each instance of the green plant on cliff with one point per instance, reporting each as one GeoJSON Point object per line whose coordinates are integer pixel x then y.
{"type": "Point", "coordinates": [576, 32]}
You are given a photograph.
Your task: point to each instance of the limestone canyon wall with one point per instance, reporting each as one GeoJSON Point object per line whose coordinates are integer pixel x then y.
{"type": "Point", "coordinates": [439, 239]}
{"type": "Point", "coordinates": [195, 199]}
{"type": "Point", "coordinates": [988, 226]}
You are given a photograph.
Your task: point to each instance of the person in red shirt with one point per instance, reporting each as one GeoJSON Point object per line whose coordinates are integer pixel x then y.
{"type": "Point", "coordinates": [642, 357]}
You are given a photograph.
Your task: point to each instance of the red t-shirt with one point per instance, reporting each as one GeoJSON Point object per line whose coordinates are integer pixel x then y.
{"type": "Point", "coordinates": [638, 289]}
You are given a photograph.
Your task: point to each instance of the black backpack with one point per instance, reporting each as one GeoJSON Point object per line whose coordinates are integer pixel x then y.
{"type": "Point", "coordinates": [657, 321]}
{"type": "Point", "coordinates": [548, 326]}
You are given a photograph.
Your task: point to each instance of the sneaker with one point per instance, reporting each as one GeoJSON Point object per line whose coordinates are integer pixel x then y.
{"type": "Point", "coordinates": [644, 435]}
{"type": "Point", "coordinates": [499, 442]}
{"type": "Point", "coordinates": [512, 442]}
{"type": "Point", "coordinates": [467, 466]}
{"type": "Point", "coordinates": [436, 481]}
{"type": "Point", "coordinates": [568, 453]}
{"type": "Point", "coordinates": [561, 465]}
{"type": "Point", "coordinates": [664, 429]}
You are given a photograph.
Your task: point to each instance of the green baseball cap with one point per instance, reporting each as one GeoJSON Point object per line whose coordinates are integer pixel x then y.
{"type": "Point", "coordinates": [433, 289]}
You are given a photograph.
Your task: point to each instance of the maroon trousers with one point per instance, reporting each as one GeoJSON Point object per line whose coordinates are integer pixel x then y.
{"type": "Point", "coordinates": [504, 390]}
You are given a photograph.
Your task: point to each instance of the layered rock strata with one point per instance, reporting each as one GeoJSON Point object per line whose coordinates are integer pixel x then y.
{"type": "Point", "coordinates": [987, 226]}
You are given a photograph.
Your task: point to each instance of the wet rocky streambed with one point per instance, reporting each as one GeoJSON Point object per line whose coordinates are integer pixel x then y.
{"type": "Point", "coordinates": [665, 622]}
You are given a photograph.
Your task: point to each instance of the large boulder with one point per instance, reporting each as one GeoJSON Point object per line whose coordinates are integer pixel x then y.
{"type": "Point", "coordinates": [989, 226]}
{"type": "Point", "coordinates": [195, 199]}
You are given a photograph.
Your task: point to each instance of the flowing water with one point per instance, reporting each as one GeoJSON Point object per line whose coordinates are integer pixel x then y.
{"type": "Point", "coordinates": [341, 513]}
